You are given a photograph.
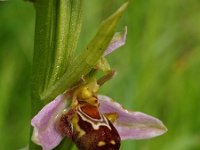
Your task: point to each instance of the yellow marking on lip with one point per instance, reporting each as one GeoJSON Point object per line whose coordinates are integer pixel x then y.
{"type": "Point", "coordinates": [77, 127]}
{"type": "Point", "coordinates": [101, 143]}
{"type": "Point", "coordinates": [112, 117]}
{"type": "Point", "coordinates": [112, 142]}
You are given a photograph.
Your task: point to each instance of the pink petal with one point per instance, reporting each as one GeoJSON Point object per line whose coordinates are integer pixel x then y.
{"type": "Point", "coordinates": [117, 41]}
{"type": "Point", "coordinates": [132, 125]}
{"type": "Point", "coordinates": [44, 132]}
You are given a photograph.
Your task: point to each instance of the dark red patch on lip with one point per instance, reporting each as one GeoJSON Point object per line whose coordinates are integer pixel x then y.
{"type": "Point", "coordinates": [64, 125]}
{"type": "Point", "coordinates": [90, 140]}
{"type": "Point", "coordinates": [91, 111]}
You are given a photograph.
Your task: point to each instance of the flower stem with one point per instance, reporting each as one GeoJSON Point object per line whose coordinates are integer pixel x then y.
{"type": "Point", "coordinates": [42, 45]}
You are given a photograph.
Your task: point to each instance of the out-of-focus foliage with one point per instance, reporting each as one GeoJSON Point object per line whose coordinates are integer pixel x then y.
{"type": "Point", "coordinates": [16, 45]}
{"type": "Point", "coordinates": [158, 69]}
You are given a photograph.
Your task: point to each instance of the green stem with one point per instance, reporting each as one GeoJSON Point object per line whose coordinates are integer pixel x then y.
{"type": "Point", "coordinates": [42, 44]}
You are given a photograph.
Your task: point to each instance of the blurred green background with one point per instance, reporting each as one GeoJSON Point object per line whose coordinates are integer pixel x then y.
{"type": "Point", "coordinates": [158, 69]}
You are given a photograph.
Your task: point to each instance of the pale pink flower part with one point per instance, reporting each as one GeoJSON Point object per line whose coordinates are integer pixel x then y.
{"type": "Point", "coordinates": [131, 125]}
{"type": "Point", "coordinates": [44, 132]}
{"type": "Point", "coordinates": [117, 41]}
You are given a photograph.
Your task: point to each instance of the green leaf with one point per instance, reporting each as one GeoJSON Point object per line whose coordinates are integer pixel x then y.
{"type": "Point", "coordinates": [44, 10]}
{"type": "Point", "coordinates": [89, 57]}
{"type": "Point", "coordinates": [67, 31]}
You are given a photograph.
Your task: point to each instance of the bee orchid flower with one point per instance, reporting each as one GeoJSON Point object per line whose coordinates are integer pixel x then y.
{"type": "Point", "coordinates": [92, 121]}
{"type": "Point", "coordinates": [129, 124]}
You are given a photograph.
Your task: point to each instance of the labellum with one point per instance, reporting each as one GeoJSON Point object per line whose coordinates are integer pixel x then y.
{"type": "Point", "coordinates": [86, 126]}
